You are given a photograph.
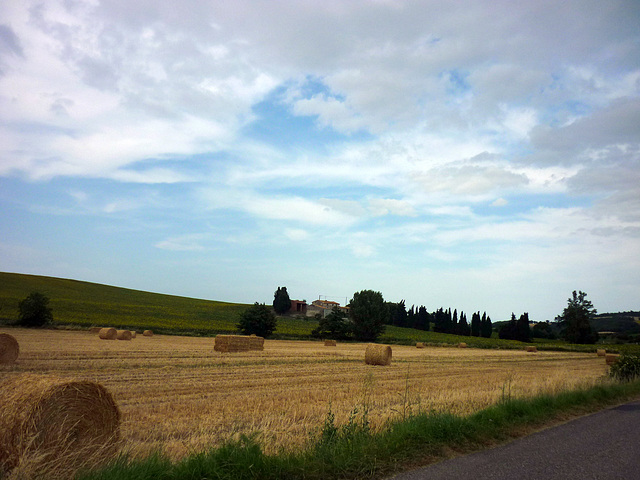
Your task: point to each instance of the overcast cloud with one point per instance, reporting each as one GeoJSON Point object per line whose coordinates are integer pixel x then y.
{"type": "Point", "coordinates": [477, 155]}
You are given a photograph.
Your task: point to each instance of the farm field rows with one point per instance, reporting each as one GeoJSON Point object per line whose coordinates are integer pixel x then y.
{"type": "Point", "coordinates": [179, 395]}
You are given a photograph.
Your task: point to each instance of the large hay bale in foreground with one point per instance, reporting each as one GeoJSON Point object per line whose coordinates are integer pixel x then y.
{"type": "Point", "coordinates": [611, 358]}
{"type": "Point", "coordinates": [376, 354]}
{"type": "Point", "coordinates": [419, 344]}
{"type": "Point", "coordinates": [238, 343]}
{"type": "Point", "coordinates": [330, 343]}
{"type": "Point", "coordinates": [95, 329]}
{"type": "Point", "coordinates": [123, 335]}
{"type": "Point", "coordinates": [147, 333]}
{"type": "Point", "coordinates": [51, 423]}
{"type": "Point", "coordinates": [9, 349]}
{"type": "Point", "coordinates": [108, 333]}
{"type": "Point", "coordinates": [601, 352]}
{"type": "Point", "coordinates": [531, 348]}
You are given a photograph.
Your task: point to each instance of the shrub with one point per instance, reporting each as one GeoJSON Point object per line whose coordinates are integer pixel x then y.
{"type": "Point", "coordinates": [258, 320]}
{"type": "Point", "coordinates": [34, 310]}
{"type": "Point", "coordinates": [627, 368]}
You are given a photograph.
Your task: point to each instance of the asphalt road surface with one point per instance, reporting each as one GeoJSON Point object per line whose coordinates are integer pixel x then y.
{"type": "Point", "coordinates": [602, 446]}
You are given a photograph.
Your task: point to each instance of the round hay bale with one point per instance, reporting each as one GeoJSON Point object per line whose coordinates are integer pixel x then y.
{"type": "Point", "coordinates": [531, 348]}
{"type": "Point", "coordinates": [108, 333]}
{"type": "Point", "coordinates": [133, 334]}
{"type": "Point", "coordinates": [419, 344]}
{"type": "Point", "coordinates": [601, 352]}
{"type": "Point", "coordinates": [147, 333]}
{"type": "Point", "coordinates": [462, 345]}
{"type": "Point", "coordinates": [47, 421]}
{"type": "Point", "coordinates": [330, 343]}
{"type": "Point", "coordinates": [377, 354]}
{"type": "Point", "coordinates": [611, 358]}
{"type": "Point", "coordinates": [95, 329]}
{"type": "Point", "coordinates": [9, 349]}
{"type": "Point", "coordinates": [123, 335]}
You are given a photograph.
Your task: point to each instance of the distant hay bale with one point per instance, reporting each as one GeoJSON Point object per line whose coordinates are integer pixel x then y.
{"type": "Point", "coordinates": [133, 334]}
{"type": "Point", "coordinates": [95, 329]}
{"type": "Point", "coordinates": [9, 349]}
{"type": "Point", "coordinates": [123, 335]}
{"type": "Point", "coordinates": [108, 333]}
{"type": "Point", "coordinates": [54, 423]}
{"type": "Point", "coordinates": [147, 333]}
{"type": "Point", "coordinates": [330, 343]}
{"type": "Point", "coordinates": [419, 344]}
{"type": "Point", "coordinates": [601, 352]}
{"type": "Point", "coordinates": [462, 345]}
{"type": "Point", "coordinates": [611, 358]}
{"type": "Point", "coordinates": [377, 354]}
{"type": "Point", "coordinates": [531, 348]}
{"type": "Point", "coordinates": [238, 343]}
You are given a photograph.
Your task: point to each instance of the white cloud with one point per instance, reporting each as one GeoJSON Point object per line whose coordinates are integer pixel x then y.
{"type": "Point", "coordinates": [184, 243]}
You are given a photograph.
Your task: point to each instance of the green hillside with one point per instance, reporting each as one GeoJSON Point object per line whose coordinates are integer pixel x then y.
{"type": "Point", "coordinates": [87, 304]}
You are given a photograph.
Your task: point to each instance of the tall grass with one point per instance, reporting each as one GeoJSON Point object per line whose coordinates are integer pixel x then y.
{"type": "Point", "coordinates": [354, 452]}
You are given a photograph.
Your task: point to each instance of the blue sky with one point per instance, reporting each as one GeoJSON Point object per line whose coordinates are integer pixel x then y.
{"type": "Point", "coordinates": [473, 155]}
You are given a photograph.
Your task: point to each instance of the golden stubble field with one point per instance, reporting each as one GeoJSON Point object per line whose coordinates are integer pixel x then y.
{"type": "Point", "coordinates": [179, 395]}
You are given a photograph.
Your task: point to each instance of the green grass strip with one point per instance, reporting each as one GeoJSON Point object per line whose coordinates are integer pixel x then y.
{"type": "Point", "coordinates": [353, 452]}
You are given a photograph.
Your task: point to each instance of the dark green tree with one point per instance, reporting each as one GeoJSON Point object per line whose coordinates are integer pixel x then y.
{"type": "Point", "coordinates": [334, 326]}
{"type": "Point", "coordinates": [34, 310]}
{"type": "Point", "coordinates": [523, 331]}
{"type": "Point", "coordinates": [281, 301]}
{"type": "Point", "coordinates": [509, 331]}
{"type": "Point", "coordinates": [368, 313]}
{"type": "Point", "coordinates": [463, 325]}
{"type": "Point", "coordinates": [574, 320]}
{"type": "Point", "coordinates": [486, 329]}
{"type": "Point", "coordinates": [398, 313]}
{"type": "Point", "coordinates": [475, 324]}
{"type": "Point", "coordinates": [543, 330]}
{"type": "Point", "coordinates": [439, 321]}
{"type": "Point", "coordinates": [423, 319]}
{"type": "Point", "coordinates": [411, 317]}
{"type": "Point", "coordinates": [258, 320]}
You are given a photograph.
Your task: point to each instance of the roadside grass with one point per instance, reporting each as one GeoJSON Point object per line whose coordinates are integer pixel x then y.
{"type": "Point", "coordinates": [352, 451]}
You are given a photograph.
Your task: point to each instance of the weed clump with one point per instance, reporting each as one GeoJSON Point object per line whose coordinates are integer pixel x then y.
{"type": "Point", "coordinates": [627, 368]}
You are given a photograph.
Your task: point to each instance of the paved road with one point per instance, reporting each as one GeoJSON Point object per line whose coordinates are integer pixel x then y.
{"type": "Point", "coordinates": [602, 446]}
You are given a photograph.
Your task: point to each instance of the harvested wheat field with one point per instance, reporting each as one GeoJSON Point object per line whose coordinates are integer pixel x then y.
{"type": "Point", "coordinates": [179, 395]}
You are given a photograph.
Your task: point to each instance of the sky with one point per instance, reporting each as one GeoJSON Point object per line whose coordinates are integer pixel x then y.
{"type": "Point", "coordinates": [478, 155]}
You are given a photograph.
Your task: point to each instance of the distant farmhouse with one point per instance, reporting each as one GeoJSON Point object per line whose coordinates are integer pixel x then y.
{"type": "Point", "coordinates": [324, 308]}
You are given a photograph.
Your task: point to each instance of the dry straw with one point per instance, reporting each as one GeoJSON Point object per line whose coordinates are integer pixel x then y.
{"type": "Point", "coordinates": [531, 348]}
{"type": "Point", "coordinates": [9, 349]}
{"type": "Point", "coordinates": [330, 343]}
{"type": "Point", "coordinates": [419, 344]}
{"type": "Point", "coordinates": [238, 343]}
{"type": "Point", "coordinates": [601, 352]}
{"type": "Point", "coordinates": [462, 345]}
{"type": "Point", "coordinates": [123, 335]}
{"type": "Point", "coordinates": [108, 333]}
{"type": "Point", "coordinates": [50, 423]}
{"type": "Point", "coordinates": [611, 358]}
{"type": "Point", "coordinates": [377, 354]}
{"type": "Point", "coordinates": [147, 333]}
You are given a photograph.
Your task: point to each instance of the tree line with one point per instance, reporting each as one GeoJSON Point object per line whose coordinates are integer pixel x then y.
{"type": "Point", "coordinates": [443, 321]}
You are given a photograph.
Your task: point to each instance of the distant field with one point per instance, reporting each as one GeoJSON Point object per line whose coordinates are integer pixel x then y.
{"type": "Point", "coordinates": [177, 394]}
